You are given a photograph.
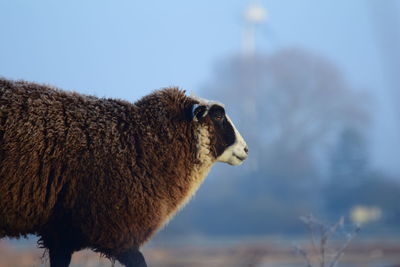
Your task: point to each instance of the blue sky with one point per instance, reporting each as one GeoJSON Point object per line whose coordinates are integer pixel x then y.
{"type": "Point", "coordinates": [126, 49]}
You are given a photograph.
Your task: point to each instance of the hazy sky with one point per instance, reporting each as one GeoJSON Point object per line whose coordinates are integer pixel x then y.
{"type": "Point", "coordinates": [126, 48]}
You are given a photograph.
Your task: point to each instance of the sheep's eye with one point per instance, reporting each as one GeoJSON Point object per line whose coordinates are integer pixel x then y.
{"type": "Point", "coordinates": [219, 117]}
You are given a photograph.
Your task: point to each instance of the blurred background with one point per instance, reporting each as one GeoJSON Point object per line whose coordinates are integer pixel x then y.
{"type": "Point", "coordinates": [313, 86]}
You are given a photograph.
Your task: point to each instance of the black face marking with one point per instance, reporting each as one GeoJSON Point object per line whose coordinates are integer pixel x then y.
{"type": "Point", "coordinates": [224, 132]}
{"type": "Point", "coordinates": [199, 111]}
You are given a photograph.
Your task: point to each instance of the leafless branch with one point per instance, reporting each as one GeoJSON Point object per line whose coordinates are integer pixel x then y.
{"type": "Point", "coordinates": [325, 232]}
{"type": "Point", "coordinates": [340, 252]}
{"type": "Point", "coordinates": [305, 255]}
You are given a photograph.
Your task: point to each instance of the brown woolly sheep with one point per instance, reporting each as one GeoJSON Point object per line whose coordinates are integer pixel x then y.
{"type": "Point", "coordinates": [87, 172]}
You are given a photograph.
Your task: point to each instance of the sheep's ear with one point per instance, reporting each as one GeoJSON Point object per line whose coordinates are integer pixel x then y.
{"type": "Point", "coordinates": [199, 111]}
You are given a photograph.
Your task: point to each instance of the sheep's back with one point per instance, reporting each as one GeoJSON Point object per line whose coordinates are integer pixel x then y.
{"type": "Point", "coordinates": [52, 144]}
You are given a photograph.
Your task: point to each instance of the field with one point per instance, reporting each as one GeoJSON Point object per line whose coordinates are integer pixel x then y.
{"type": "Point", "coordinates": [260, 253]}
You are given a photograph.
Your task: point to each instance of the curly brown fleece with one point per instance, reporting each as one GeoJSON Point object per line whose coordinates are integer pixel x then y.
{"type": "Point", "coordinates": [99, 173]}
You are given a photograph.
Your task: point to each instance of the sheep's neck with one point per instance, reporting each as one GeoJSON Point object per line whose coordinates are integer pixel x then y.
{"type": "Point", "coordinates": [198, 172]}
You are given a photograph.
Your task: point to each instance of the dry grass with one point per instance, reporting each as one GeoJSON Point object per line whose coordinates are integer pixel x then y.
{"type": "Point", "coordinates": [261, 254]}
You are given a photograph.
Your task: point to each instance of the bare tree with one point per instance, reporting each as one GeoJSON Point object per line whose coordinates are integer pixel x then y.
{"type": "Point", "coordinates": [321, 254]}
{"type": "Point", "coordinates": [293, 101]}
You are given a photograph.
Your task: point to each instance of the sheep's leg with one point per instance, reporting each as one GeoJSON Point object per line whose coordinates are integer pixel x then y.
{"type": "Point", "coordinates": [132, 258]}
{"type": "Point", "coordinates": [60, 257]}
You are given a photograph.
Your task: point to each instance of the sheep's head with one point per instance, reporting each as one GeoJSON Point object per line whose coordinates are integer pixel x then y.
{"type": "Point", "coordinates": [225, 142]}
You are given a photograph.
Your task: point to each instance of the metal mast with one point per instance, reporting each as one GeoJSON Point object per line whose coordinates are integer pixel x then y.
{"type": "Point", "coordinates": [254, 15]}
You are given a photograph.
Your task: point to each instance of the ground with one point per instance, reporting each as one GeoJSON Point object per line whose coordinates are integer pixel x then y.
{"type": "Point", "coordinates": [260, 253]}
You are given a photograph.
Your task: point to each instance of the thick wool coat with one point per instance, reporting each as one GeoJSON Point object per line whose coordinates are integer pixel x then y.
{"type": "Point", "coordinates": [94, 172]}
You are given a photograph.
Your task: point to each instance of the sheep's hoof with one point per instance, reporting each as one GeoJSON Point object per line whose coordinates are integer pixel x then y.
{"type": "Point", "coordinates": [132, 258]}
{"type": "Point", "coordinates": [60, 257]}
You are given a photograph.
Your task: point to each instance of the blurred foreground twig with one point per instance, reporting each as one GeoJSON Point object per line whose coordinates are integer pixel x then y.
{"type": "Point", "coordinates": [318, 255]}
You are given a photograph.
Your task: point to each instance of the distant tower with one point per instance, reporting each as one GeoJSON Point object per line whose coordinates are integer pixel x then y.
{"type": "Point", "coordinates": [254, 14]}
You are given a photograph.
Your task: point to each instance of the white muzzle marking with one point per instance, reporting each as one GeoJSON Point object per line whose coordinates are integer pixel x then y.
{"type": "Point", "coordinates": [237, 152]}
